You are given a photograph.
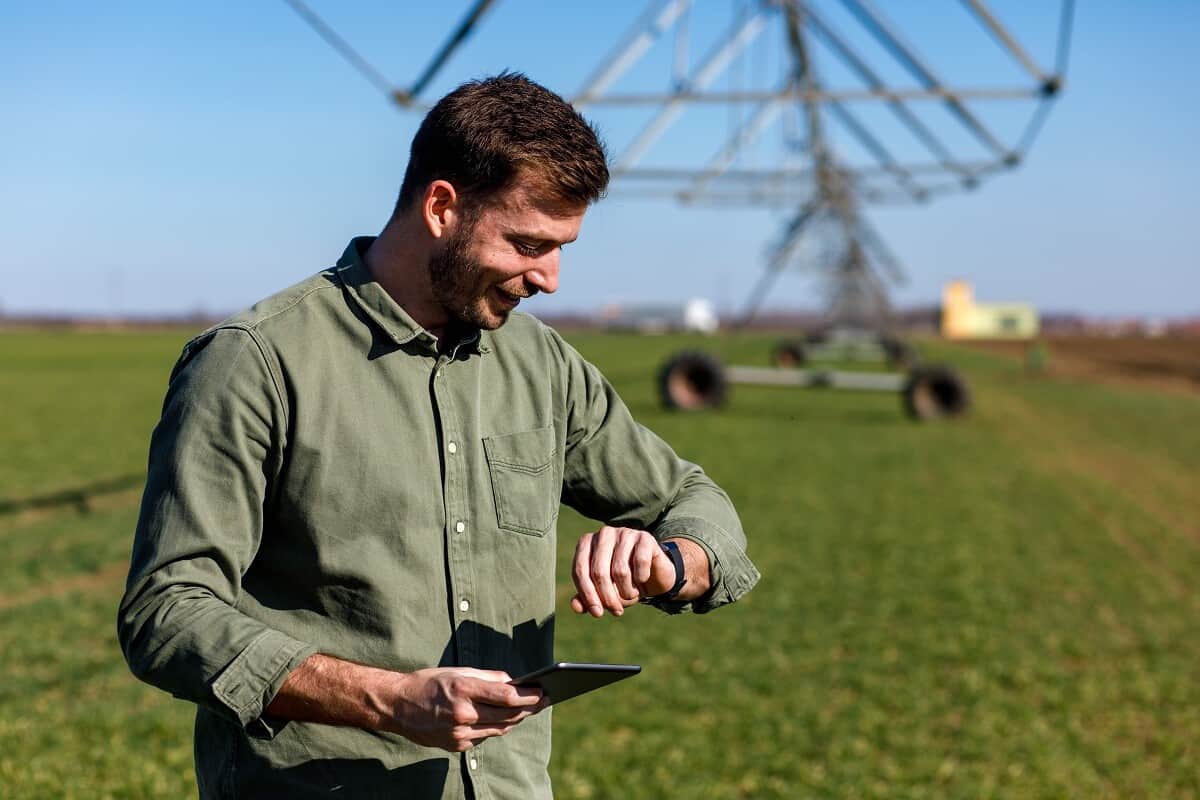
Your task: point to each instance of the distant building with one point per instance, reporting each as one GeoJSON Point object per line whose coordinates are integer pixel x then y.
{"type": "Point", "coordinates": [694, 316]}
{"type": "Point", "coordinates": [963, 318]}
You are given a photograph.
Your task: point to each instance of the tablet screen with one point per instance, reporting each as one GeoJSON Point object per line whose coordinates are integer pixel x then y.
{"type": "Point", "coordinates": [565, 680]}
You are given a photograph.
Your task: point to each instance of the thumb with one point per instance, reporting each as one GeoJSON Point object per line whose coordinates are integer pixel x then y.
{"type": "Point", "coordinates": [662, 574]}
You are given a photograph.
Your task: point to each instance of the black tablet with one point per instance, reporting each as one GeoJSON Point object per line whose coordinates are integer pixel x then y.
{"type": "Point", "coordinates": [565, 680]}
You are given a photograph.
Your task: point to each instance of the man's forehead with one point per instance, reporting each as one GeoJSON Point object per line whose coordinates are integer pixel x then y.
{"type": "Point", "coordinates": [520, 210]}
{"type": "Point", "coordinates": [527, 195]}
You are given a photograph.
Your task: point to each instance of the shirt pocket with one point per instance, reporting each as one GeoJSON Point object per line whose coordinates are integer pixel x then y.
{"type": "Point", "coordinates": [524, 483]}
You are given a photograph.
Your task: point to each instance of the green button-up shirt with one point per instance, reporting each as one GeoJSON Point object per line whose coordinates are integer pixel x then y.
{"type": "Point", "coordinates": [326, 479]}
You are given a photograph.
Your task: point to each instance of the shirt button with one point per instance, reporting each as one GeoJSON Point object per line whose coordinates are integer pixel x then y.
{"type": "Point", "coordinates": [452, 447]}
{"type": "Point", "coordinates": [473, 764]}
{"type": "Point", "coordinates": [464, 605]}
{"type": "Point", "coordinates": [459, 527]}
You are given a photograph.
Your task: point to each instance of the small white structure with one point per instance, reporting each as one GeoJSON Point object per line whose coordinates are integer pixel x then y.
{"type": "Point", "coordinates": [695, 316]}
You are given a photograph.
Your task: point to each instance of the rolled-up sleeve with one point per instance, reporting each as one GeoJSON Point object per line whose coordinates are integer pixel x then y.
{"type": "Point", "coordinates": [620, 472]}
{"type": "Point", "coordinates": [213, 457]}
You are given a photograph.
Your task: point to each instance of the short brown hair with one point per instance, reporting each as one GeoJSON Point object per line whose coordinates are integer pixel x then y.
{"type": "Point", "coordinates": [485, 133]}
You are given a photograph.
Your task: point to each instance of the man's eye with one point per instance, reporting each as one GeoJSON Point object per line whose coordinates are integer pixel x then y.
{"type": "Point", "coordinates": [525, 248]}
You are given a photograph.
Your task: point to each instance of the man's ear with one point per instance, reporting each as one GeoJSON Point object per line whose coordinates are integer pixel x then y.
{"type": "Point", "coordinates": [441, 208]}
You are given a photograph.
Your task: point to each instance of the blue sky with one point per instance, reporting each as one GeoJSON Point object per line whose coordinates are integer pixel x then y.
{"type": "Point", "coordinates": [168, 157]}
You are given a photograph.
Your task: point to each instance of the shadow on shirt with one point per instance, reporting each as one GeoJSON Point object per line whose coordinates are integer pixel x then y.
{"type": "Point", "coordinates": [530, 647]}
{"type": "Point", "coordinates": [310, 760]}
{"type": "Point", "coordinates": [350, 778]}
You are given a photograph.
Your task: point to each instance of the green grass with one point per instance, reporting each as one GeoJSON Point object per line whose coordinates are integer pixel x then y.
{"type": "Point", "coordinates": [79, 408]}
{"type": "Point", "coordinates": [1003, 606]}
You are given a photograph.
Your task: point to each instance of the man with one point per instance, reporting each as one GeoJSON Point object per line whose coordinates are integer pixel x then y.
{"type": "Point", "coordinates": [347, 547]}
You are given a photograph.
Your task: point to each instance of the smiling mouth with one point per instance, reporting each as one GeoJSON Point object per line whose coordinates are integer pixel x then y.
{"type": "Point", "coordinates": [510, 300]}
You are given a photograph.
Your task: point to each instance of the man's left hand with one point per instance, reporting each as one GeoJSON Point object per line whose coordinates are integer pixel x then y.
{"type": "Point", "coordinates": [616, 567]}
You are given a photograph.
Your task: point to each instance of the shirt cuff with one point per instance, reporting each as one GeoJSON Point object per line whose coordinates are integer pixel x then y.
{"type": "Point", "coordinates": [731, 571]}
{"type": "Point", "coordinates": [246, 687]}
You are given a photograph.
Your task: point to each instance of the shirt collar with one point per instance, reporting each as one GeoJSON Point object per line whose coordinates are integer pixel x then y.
{"type": "Point", "coordinates": [374, 300]}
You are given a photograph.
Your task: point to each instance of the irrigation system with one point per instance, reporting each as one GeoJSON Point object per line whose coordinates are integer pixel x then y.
{"type": "Point", "coordinates": [826, 231]}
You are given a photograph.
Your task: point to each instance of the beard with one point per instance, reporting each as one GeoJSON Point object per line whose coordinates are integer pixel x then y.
{"type": "Point", "coordinates": [455, 279]}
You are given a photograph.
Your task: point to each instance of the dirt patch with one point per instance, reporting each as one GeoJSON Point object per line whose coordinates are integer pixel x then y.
{"type": "Point", "coordinates": [1170, 363]}
{"type": "Point", "coordinates": [101, 579]}
{"type": "Point", "coordinates": [111, 501]}
{"type": "Point", "coordinates": [81, 497]}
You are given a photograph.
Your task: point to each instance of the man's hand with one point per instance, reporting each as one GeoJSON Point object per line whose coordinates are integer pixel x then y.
{"type": "Point", "coordinates": [454, 708]}
{"type": "Point", "coordinates": [615, 567]}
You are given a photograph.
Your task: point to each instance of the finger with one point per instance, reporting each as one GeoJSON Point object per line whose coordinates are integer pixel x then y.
{"type": "Point", "coordinates": [662, 573]}
{"type": "Point", "coordinates": [494, 675]}
{"type": "Point", "coordinates": [481, 732]}
{"type": "Point", "coordinates": [577, 604]}
{"type": "Point", "coordinates": [465, 737]}
{"type": "Point", "coordinates": [581, 573]}
{"type": "Point", "coordinates": [643, 559]}
{"type": "Point", "coordinates": [501, 715]}
{"type": "Point", "coordinates": [621, 568]}
{"type": "Point", "coordinates": [602, 551]}
{"type": "Point", "coordinates": [504, 694]}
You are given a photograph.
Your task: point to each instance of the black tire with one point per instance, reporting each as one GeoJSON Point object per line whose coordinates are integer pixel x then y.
{"type": "Point", "coordinates": [898, 352]}
{"type": "Point", "coordinates": [789, 353]}
{"type": "Point", "coordinates": [935, 392]}
{"type": "Point", "coordinates": [692, 381]}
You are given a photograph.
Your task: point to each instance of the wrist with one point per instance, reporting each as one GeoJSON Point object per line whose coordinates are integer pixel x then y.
{"type": "Point", "coordinates": [385, 700]}
{"type": "Point", "coordinates": [331, 691]}
{"type": "Point", "coordinates": [697, 566]}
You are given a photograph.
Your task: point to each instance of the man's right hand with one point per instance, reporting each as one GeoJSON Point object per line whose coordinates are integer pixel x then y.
{"type": "Point", "coordinates": [455, 708]}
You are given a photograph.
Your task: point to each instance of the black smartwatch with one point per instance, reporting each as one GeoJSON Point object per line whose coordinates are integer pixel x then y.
{"type": "Point", "coordinates": [672, 551]}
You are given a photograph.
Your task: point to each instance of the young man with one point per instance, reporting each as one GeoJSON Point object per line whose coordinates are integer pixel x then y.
{"type": "Point", "coordinates": [347, 541]}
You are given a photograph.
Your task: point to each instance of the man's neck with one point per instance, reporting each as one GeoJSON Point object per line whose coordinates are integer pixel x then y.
{"type": "Point", "coordinates": [397, 263]}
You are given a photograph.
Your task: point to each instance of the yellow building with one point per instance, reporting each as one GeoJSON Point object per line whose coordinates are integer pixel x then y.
{"type": "Point", "coordinates": [963, 318]}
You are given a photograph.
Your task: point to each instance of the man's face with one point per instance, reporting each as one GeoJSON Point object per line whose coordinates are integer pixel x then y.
{"type": "Point", "coordinates": [508, 252]}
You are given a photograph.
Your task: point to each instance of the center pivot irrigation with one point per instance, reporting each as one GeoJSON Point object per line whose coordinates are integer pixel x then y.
{"type": "Point", "coordinates": [693, 380]}
{"type": "Point", "coordinates": [826, 191]}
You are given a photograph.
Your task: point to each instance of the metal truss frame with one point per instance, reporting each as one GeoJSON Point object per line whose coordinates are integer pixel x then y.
{"type": "Point", "coordinates": [827, 193]}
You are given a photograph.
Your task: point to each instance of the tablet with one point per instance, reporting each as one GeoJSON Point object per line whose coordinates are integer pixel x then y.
{"type": "Point", "coordinates": [565, 680]}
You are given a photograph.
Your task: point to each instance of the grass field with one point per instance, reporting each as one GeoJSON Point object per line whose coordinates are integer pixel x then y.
{"type": "Point", "coordinates": [1003, 606]}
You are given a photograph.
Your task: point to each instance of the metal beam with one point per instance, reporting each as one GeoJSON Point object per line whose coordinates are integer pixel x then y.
{"type": "Point", "coordinates": [887, 36]}
{"type": "Point", "coordinates": [831, 378]}
{"type": "Point", "coordinates": [777, 199]}
{"type": "Point", "coordinates": [989, 21]}
{"type": "Point", "coordinates": [974, 168]}
{"type": "Point", "coordinates": [867, 74]}
{"type": "Point", "coordinates": [635, 44]}
{"type": "Point", "coordinates": [456, 39]}
{"type": "Point", "coordinates": [886, 161]}
{"type": "Point", "coordinates": [745, 135]}
{"type": "Point", "coordinates": [1062, 53]}
{"type": "Point", "coordinates": [936, 93]}
{"type": "Point", "coordinates": [779, 256]}
{"type": "Point", "coordinates": [881, 252]}
{"type": "Point", "coordinates": [704, 75]}
{"type": "Point", "coordinates": [343, 48]}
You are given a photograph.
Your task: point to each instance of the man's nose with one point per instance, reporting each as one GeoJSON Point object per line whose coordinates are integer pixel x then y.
{"type": "Point", "coordinates": [544, 277]}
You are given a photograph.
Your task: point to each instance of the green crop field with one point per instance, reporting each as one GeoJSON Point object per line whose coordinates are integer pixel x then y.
{"type": "Point", "coordinates": [1006, 605]}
